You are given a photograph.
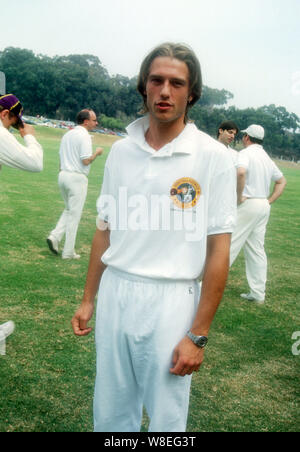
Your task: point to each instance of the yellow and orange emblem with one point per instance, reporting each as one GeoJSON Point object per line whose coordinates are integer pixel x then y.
{"type": "Point", "coordinates": [185, 192]}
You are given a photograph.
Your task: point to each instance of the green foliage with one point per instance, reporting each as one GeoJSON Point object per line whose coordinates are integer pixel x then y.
{"type": "Point", "coordinates": [282, 138]}
{"type": "Point", "coordinates": [61, 86]}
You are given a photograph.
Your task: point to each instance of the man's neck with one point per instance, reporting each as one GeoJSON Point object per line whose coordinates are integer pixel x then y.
{"type": "Point", "coordinates": [160, 134]}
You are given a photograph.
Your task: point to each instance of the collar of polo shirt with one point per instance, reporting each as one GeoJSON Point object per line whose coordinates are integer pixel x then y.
{"type": "Point", "coordinates": [137, 131]}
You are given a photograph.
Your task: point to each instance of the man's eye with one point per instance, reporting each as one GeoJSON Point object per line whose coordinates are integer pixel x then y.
{"type": "Point", "coordinates": [156, 81]}
{"type": "Point", "coordinates": [178, 83]}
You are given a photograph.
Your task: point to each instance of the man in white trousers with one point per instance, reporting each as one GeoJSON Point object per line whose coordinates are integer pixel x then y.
{"type": "Point", "coordinates": [76, 156]}
{"type": "Point", "coordinates": [15, 155]}
{"type": "Point", "coordinates": [151, 246]}
{"type": "Point", "coordinates": [256, 172]}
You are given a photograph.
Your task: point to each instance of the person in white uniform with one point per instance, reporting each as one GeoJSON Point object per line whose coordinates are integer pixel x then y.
{"type": "Point", "coordinates": [76, 156]}
{"type": "Point", "coordinates": [150, 248]}
{"type": "Point", "coordinates": [15, 155]}
{"type": "Point", "coordinates": [256, 172]}
{"type": "Point", "coordinates": [227, 131]}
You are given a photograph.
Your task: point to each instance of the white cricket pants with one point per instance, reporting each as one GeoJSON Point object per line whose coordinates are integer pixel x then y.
{"type": "Point", "coordinates": [73, 188]}
{"type": "Point", "coordinates": [139, 323]}
{"type": "Point", "coordinates": [252, 219]}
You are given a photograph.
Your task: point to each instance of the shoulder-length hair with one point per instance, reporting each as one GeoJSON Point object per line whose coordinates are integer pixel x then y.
{"type": "Point", "coordinates": [180, 52]}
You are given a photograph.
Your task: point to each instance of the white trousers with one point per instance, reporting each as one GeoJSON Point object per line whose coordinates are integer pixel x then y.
{"type": "Point", "coordinates": [73, 188]}
{"type": "Point", "coordinates": [252, 219]}
{"type": "Point", "coordinates": [139, 323]}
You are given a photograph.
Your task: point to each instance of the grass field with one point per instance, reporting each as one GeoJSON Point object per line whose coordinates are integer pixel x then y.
{"type": "Point", "coordinates": [249, 381]}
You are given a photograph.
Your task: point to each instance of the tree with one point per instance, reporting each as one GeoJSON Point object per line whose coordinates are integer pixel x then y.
{"type": "Point", "coordinates": [59, 87]}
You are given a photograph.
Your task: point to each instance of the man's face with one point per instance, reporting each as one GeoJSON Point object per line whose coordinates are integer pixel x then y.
{"type": "Point", "coordinates": [167, 90]}
{"type": "Point", "coordinates": [227, 136]}
{"type": "Point", "coordinates": [8, 119]}
{"type": "Point", "coordinates": [91, 123]}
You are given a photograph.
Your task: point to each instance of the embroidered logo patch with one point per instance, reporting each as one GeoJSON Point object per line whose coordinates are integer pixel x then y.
{"type": "Point", "coordinates": [185, 192]}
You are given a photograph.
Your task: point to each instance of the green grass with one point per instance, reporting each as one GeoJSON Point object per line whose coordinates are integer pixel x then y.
{"type": "Point", "coordinates": [250, 378]}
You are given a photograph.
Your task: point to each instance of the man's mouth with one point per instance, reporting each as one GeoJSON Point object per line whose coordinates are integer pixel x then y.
{"type": "Point", "coordinates": [163, 106]}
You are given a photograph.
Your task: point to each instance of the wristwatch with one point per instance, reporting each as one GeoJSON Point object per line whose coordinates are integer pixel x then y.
{"type": "Point", "coordinates": [200, 341]}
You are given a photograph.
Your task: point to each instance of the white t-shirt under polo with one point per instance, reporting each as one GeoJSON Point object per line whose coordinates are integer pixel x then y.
{"type": "Point", "coordinates": [161, 205]}
{"type": "Point", "coordinates": [76, 145]}
{"type": "Point", "coordinates": [261, 171]}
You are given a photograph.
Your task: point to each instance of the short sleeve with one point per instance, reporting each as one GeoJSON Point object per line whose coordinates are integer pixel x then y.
{"type": "Point", "coordinates": [86, 149]}
{"type": "Point", "coordinates": [222, 206]}
{"type": "Point", "coordinates": [107, 201]}
{"type": "Point", "coordinates": [277, 174]}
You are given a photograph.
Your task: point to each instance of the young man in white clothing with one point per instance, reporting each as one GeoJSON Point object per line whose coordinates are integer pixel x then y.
{"type": "Point", "coordinates": [227, 131]}
{"type": "Point", "coordinates": [256, 172]}
{"type": "Point", "coordinates": [15, 155]}
{"type": "Point", "coordinates": [151, 246]}
{"type": "Point", "coordinates": [76, 156]}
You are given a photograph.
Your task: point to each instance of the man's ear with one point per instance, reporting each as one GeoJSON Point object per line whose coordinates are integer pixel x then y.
{"type": "Point", "coordinates": [4, 113]}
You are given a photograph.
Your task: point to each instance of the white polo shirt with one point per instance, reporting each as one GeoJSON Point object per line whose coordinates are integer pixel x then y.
{"type": "Point", "coordinates": [161, 205]}
{"type": "Point", "coordinates": [261, 171]}
{"type": "Point", "coordinates": [76, 145]}
{"type": "Point", "coordinates": [234, 155]}
{"type": "Point", "coordinates": [15, 155]}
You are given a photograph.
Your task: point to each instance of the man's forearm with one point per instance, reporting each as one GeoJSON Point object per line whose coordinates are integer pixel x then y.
{"type": "Point", "coordinates": [278, 190]}
{"type": "Point", "coordinates": [214, 281]}
{"type": "Point", "coordinates": [241, 182]}
{"type": "Point", "coordinates": [96, 267]}
{"type": "Point", "coordinates": [88, 161]}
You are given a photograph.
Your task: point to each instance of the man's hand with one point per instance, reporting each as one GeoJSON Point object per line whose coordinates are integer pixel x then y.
{"type": "Point", "coordinates": [26, 130]}
{"type": "Point", "coordinates": [81, 318]}
{"type": "Point", "coordinates": [187, 358]}
{"type": "Point", "coordinates": [241, 200]}
{"type": "Point", "coordinates": [99, 151]}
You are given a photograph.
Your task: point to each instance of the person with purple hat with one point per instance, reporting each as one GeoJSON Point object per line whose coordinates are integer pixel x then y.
{"type": "Point", "coordinates": [13, 153]}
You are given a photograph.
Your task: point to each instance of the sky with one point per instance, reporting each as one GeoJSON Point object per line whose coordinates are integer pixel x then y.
{"type": "Point", "coordinates": [248, 47]}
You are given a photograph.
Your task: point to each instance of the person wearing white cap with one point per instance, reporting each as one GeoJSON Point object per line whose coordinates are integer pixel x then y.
{"type": "Point", "coordinates": [256, 172]}
{"type": "Point", "coordinates": [151, 328]}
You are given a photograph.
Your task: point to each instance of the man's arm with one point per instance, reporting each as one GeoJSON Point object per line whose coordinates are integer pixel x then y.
{"type": "Point", "coordinates": [278, 189]}
{"type": "Point", "coordinates": [241, 182]}
{"type": "Point", "coordinates": [96, 268]}
{"type": "Point", "coordinates": [15, 155]}
{"type": "Point", "coordinates": [187, 357]}
{"type": "Point", "coordinates": [86, 162]}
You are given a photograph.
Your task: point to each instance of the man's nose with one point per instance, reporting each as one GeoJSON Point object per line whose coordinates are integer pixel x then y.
{"type": "Point", "coordinates": [165, 90]}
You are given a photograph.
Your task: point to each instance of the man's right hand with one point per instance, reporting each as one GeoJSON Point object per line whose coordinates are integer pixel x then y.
{"type": "Point", "coordinates": [26, 130]}
{"type": "Point", "coordinates": [99, 151]}
{"type": "Point", "coordinates": [81, 318]}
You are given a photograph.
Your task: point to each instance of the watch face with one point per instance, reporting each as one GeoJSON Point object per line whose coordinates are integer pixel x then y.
{"type": "Point", "coordinates": [201, 341]}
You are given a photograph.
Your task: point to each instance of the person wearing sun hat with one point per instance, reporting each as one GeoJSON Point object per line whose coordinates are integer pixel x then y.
{"type": "Point", "coordinates": [13, 153]}
{"type": "Point", "coordinates": [255, 174]}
